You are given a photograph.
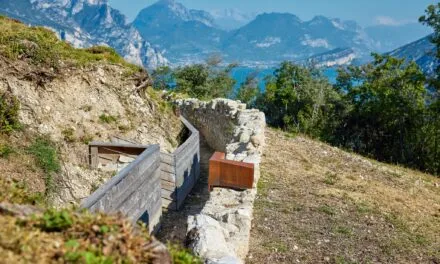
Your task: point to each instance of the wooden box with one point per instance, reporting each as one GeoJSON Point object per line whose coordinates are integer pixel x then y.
{"type": "Point", "coordinates": [230, 174]}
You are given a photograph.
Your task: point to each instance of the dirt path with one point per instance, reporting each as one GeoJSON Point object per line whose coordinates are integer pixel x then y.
{"type": "Point", "coordinates": [318, 204]}
{"type": "Point", "coordinates": [174, 224]}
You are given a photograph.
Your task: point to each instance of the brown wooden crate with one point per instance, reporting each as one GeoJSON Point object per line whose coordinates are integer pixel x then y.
{"type": "Point", "coordinates": [232, 174]}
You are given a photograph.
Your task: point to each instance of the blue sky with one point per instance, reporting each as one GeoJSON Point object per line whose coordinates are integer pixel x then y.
{"type": "Point", "coordinates": [365, 12]}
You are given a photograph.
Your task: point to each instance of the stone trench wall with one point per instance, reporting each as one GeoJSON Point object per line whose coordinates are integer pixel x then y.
{"type": "Point", "coordinates": [220, 232]}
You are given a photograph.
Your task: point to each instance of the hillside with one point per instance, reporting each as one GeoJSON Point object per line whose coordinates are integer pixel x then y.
{"type": "Point", "coordinates": [56, 99]}
{"type": "Point", "coordinates": [319, 204]}
{"type": "Point", "coordinates": [421, 51]}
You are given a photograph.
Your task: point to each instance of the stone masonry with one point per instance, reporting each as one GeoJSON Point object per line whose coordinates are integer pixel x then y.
{"type": "Point", "coordinates": [220, 232]}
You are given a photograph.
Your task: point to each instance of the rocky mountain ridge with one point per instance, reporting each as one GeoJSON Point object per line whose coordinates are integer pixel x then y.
{"type": "Point", "coordinates": [86, 23]}
{"type": "Point", "coordinates": [168, 33]}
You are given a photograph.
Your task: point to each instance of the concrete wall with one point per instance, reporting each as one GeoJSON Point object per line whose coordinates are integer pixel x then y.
{"type": "Point", "coordinates": [227, 126]}
{"type": "Point", "coordinates": [135, 191]}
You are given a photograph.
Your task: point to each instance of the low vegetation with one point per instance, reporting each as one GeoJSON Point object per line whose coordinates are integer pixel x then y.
{"type": "Point", "coordinates": [66, 236]}
{"type": "Point", "coordinates": [9, 107]}
{"type": "Point", "coordinates": [41, 46]}
{"type": "Point", "coordinates": [47, 159]}
{"type": "Point", "coordinates": [319, 204]}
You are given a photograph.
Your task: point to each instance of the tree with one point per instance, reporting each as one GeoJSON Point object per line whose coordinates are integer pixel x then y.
{"type": "Point", "coordinates": [249, 90]}
{"type": "Point", "coordinates": [387, 112]}
{"type": "Point", "coordinates": [432, 129]}
{"type": "Point", "coordinates": [205, 81]}
{"type": "Point", "coordinates": [296, 99]}
{"type": "Point", "coordinates": [162, 78]}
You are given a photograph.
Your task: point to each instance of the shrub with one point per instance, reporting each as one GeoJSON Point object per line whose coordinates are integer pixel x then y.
{"type": "Point", "coordinates": [9, 107]}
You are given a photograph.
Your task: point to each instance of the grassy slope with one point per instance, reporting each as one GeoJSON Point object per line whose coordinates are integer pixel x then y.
{"type": "Point", "coordinates": [319, 204]}
{"type": "Point", "coordinates": [26, 166]}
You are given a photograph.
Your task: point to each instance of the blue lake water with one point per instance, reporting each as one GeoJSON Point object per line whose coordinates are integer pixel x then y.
{"type": "Point", "coordinates": [240, 74]}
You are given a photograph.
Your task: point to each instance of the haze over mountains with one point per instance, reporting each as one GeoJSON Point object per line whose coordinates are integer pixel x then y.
{"type": "Point", "coordinates": [169, 33]}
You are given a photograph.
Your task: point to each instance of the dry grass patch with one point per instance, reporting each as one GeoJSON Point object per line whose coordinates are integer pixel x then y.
{"type": "Point", "coordinates": [319, 204]}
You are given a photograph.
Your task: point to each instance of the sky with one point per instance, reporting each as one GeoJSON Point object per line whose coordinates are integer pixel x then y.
{"type": "Point", "coordinates": [365, 12]}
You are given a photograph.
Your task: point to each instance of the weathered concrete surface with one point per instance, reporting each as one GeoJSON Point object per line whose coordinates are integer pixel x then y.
{"type": "Point", "coordinates": [220, 232]}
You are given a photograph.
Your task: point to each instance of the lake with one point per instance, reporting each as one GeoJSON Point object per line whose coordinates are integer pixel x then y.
{"type": "Point", "coordinates": [240, 74]}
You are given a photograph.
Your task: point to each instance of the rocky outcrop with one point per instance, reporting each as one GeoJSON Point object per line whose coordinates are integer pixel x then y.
{"type": "Point", "coordinates": [220, 232]}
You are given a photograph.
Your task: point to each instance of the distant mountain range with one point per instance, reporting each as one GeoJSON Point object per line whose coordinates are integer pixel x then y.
{"type": "Point", "coordinates": [169, 33]}
{"type": "Point", "coordinates": [85, 23]}
{"type": "Point", "coordinates": [422, 51]}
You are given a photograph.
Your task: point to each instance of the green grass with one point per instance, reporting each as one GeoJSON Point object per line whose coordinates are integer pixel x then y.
{"type": "Point", "coordinates": [6, 151]}
{"type": "Point", "coordinates": [47, 159]}
{"type": "Point", "coordinates": [331, 179]}
{"type": "Point", "coordinates": [9, 107]}
{"type": "Point", "coordinates": [41, 47]}
{"type": "Point", "coordinates": [107, 119]}
{"type": "Point", "coordinates": [327, 210]}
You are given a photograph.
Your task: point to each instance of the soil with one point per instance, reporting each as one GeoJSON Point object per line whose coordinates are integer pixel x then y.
{"type": "Point", "coordinates": [319, 204]}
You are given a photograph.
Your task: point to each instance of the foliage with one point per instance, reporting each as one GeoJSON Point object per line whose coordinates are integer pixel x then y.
{"type": "Point", "coordinates": [249, 90]}
{"type": "Point", "coordinates": [47, 159]}
{"type": "Point", "coordinates": [298, 99]}
{"type": "Point", "coordinates": [432, 131]}
{"type": "Point", "coordinates": [387, 111]}
{"type": "Point", "coordinates": [9, 107]}
{"type": "Point", "coordinates": [66, 236]}
{"type": "Point", "coordinates": [162, 78]}
{"type": "Point", "coordinates": [42, 47]}
{"type": "Point", "coordinates": [204, 81]}
{"type": "Point", "coordinates": [55, 221]}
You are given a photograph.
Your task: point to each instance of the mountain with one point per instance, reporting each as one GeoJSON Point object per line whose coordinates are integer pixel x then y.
{"type": "Point", "coordinates": [390, 37]}
{"type": "Point", "coordinates": [283, 36]}
{"type": "Point", "coordinates": [231, 18]}
{"type": "Point", "coordinates": [422, 52]}
{"type": "Point", "coordinates": [86, 23]}
{"type": "Point", "coordinates": [338, 56]}
{"type": "Point", "coordinates": [186, 35]}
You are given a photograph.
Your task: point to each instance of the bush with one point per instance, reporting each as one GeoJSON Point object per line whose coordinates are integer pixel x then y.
{"type": "Point", "coordinates": [9, 107]}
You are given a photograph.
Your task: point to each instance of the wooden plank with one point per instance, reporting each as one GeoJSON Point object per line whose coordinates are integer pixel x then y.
{"type": "Point", "coordinates": [94, 158]}
{"type": "Point", "coordinates": [168, 194]}
{"type": "Point", "coordinates": [167, 158]}
{"type": "Point", "coordinates": [167, 168]}
{"type": "Point", "coordinates": [167, 176]}
{"type": "Point", "coordinates": [170, 186]}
